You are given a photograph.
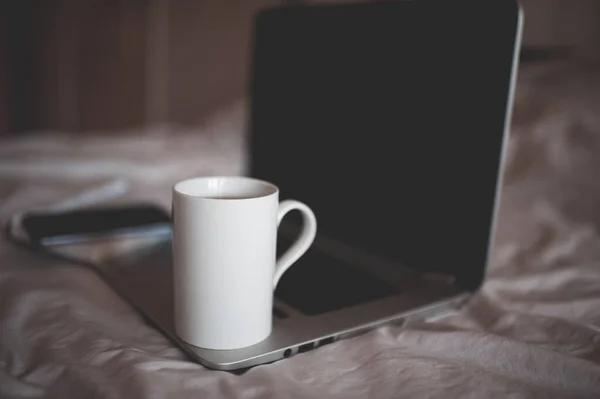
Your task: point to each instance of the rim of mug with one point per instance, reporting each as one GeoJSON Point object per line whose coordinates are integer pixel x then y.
{"type": "Point", "coordinates": [274, 189]}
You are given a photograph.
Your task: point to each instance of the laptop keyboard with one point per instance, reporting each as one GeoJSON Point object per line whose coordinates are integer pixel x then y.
{"type": "Point", "coordinates": [319, 283]}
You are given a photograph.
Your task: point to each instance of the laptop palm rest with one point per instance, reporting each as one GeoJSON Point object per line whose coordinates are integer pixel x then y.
{"type": "Point", "coordinates": [305, 316]}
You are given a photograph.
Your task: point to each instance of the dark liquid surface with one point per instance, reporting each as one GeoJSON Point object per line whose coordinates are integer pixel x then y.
{"type": "Point", "coordinates": [230, 197]}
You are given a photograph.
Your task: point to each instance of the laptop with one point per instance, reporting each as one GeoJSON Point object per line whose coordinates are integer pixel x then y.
{"type": "Point", "coordinates": [390, 121]}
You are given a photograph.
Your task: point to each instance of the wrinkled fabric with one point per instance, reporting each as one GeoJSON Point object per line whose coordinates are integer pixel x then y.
{"type": "Point", "coordinates": [532, 331]}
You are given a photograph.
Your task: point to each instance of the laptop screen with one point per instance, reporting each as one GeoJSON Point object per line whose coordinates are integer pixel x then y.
{"type": "Point", "coordinates": [388, 120]}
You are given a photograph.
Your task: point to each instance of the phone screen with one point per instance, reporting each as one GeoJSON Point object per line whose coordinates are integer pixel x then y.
{"type": "Point", "coordinates": [84, 225]}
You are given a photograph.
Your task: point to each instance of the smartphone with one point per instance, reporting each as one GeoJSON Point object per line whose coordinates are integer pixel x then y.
{"type": "Point", "coordinates": [91, 224]}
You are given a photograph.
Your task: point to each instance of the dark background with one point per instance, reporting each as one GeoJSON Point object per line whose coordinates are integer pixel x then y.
{"type": "Point", "coordinates": [82, 65]}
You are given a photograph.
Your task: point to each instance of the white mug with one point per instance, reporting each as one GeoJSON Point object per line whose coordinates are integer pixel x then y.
{"type": "Point", "coordinates": [224, 249]}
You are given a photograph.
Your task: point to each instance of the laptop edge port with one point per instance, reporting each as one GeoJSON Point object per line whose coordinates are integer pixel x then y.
{"type": "Point", "coordinates": [305, 347]}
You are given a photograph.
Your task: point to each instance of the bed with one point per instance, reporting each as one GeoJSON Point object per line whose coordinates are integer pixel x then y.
{"type": "Point", "coordinates": [532, 331]}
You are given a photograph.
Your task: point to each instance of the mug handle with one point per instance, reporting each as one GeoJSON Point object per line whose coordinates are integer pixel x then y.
{"type": "Point", "coordinates": [302, 243]}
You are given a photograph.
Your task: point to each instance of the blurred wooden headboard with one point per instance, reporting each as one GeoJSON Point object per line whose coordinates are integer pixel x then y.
{"type": "Point", "coordinates": [82, 65]}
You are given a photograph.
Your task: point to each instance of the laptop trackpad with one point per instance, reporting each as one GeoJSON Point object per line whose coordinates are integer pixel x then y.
{"type": "Point", "coordinates": [318, 283]}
